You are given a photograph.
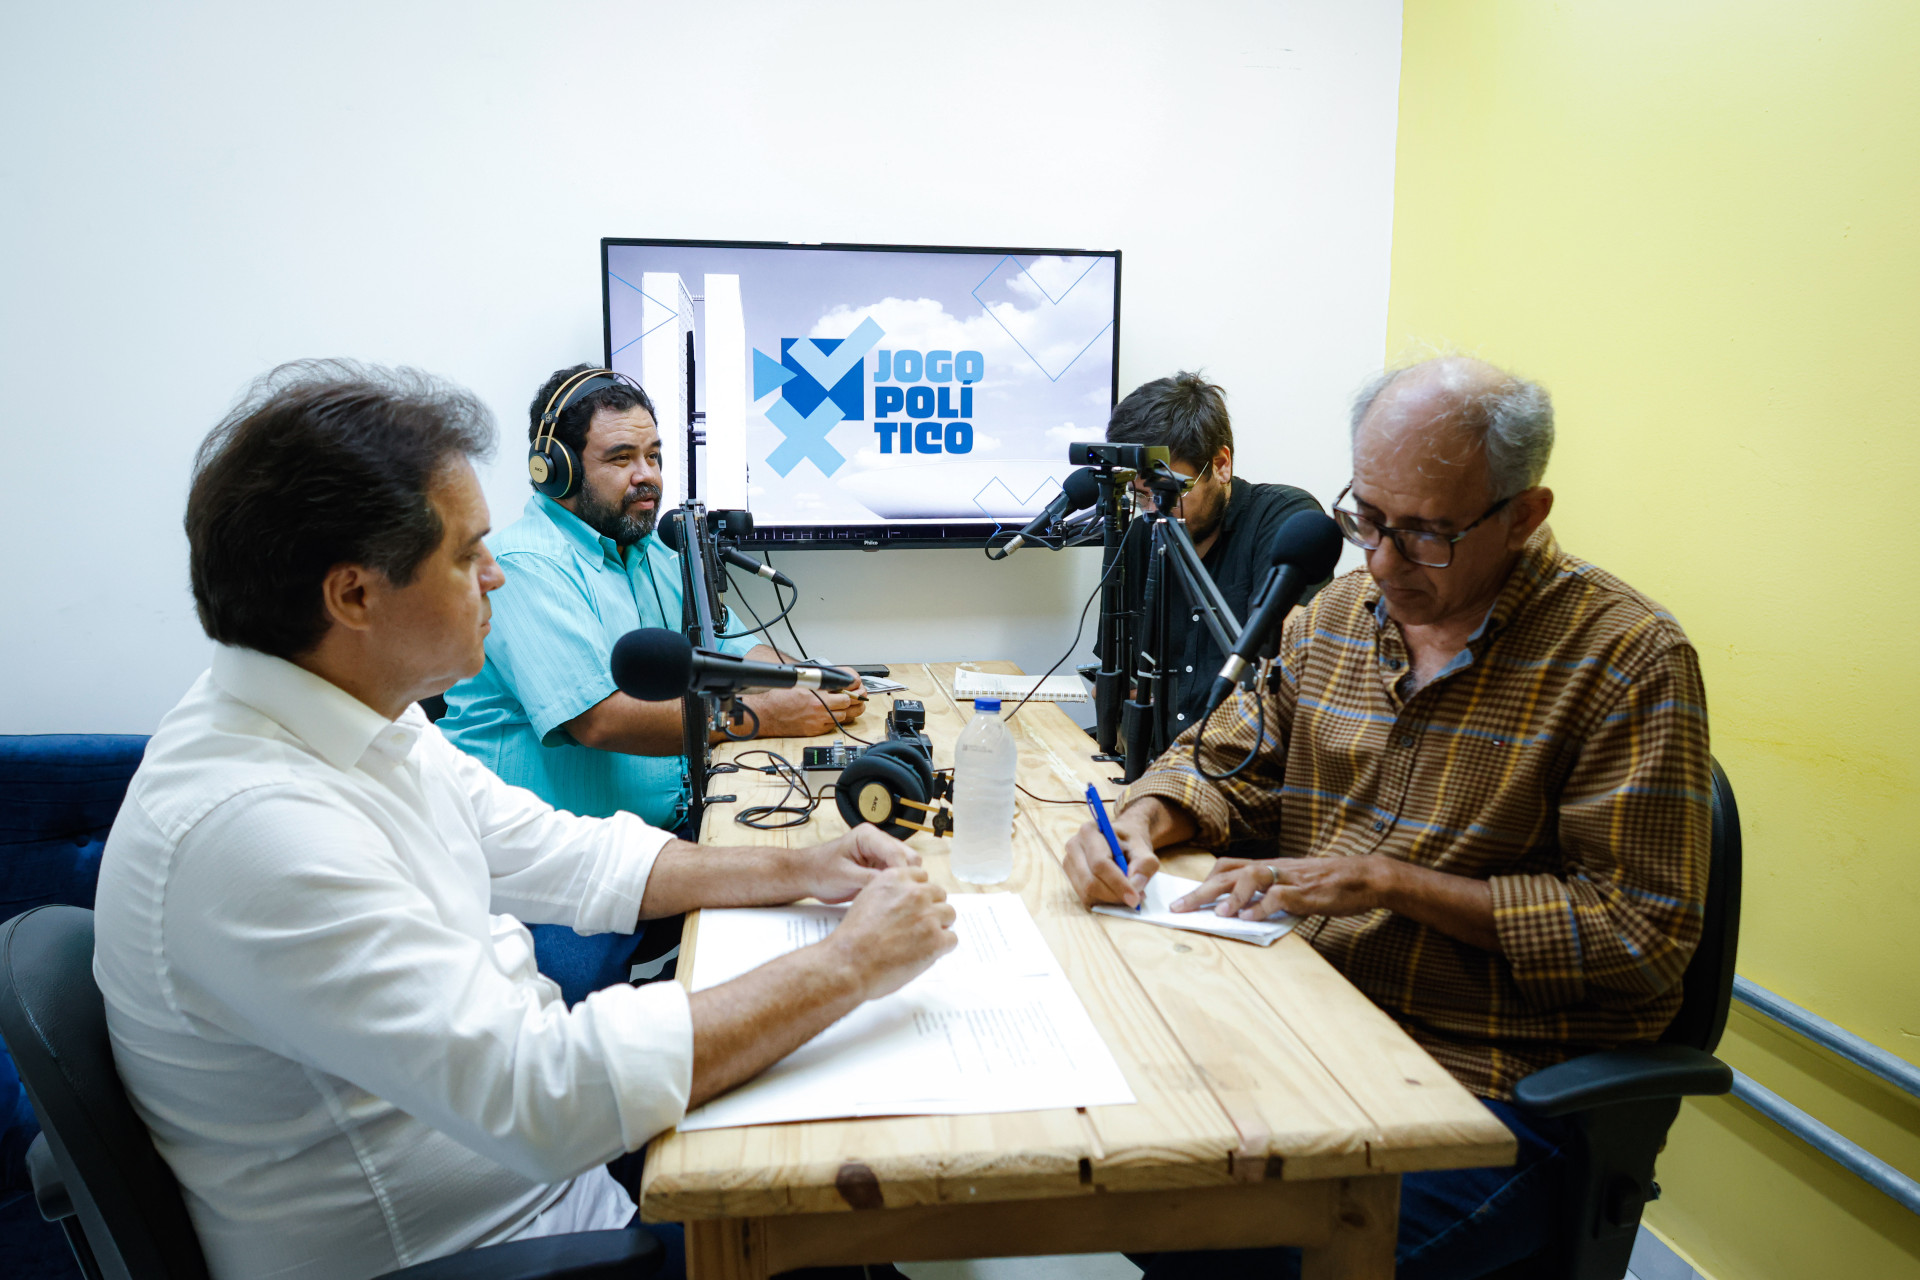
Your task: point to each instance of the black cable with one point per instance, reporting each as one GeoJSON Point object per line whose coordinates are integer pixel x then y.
{"type": "Point", "coordinates": [761, 629]}
{"type": "Point", "coordinates": [796, 644]}
{"type": "Point", "coordinates": [839, 724]}
{"type": "Point", "coordinates": [755, 816]}
{"type": "Point", "coordinates": [1043, 799]}
{"type": "Point", "coordinates": [1081, 628]}
{"type": "Point", "coordinates": [726, 725]}
{"type": "Point", "coordinates": [1259, 741]}
{"type": "Point", "coordinates": [768, 555]}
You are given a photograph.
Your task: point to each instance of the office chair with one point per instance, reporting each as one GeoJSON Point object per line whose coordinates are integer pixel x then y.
{"type": "Point", "coordinates": [94, 1167]}
{"type": "Point", "coordinates": [1623, 1101]}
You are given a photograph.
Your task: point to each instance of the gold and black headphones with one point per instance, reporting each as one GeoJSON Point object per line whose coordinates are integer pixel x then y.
{"type": "Point", "coordinates": [893, 785]}
{"type": "Point", "coordinates": [551, 465]}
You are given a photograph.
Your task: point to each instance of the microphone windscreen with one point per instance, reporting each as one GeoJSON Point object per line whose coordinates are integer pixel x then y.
{"type": "Point", "coordinates": [1082, 489]}
{"type": "Point", "coordinates": [1309, 542]}
{"type": "Point", "coordinates": [669, 529]}
{"type": "Point", "coordinates": [653, 664]}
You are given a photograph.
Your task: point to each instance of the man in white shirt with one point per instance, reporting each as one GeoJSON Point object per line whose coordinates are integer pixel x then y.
{"type": "Point", "coordinates": [321, 996]}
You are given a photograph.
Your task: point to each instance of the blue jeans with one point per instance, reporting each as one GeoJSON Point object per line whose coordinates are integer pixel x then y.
{"type": "Point", "coordinates": [1455, 1224]}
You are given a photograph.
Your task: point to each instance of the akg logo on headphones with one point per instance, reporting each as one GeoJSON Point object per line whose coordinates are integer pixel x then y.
{"type": "Point", "coordinates": [821, 382]}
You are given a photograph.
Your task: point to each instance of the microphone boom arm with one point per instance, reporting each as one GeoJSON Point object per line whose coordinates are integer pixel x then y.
{"type": "Point", "coordinates": [699, 602]}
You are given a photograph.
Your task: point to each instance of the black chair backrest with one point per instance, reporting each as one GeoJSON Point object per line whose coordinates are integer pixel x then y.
{"type": "Point", "coordinates": [1708, 984]}
{"type": "Point", "coordinates": [55, 1023]}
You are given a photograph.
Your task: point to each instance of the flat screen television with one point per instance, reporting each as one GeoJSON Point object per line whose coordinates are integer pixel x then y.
{"type": "Point", "coordinates": [866, 395]}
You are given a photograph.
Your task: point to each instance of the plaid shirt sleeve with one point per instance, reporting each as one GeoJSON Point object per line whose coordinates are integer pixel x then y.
{"type": "Point", "coordinates": [1246, 806]}
{"type": "Point", "coordinates": [1634, 827]}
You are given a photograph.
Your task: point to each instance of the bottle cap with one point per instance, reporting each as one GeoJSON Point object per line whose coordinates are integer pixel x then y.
{"type": "Point", "coordinates": [986, 704]}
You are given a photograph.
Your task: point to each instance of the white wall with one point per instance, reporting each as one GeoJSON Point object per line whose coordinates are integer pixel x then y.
{"type": "Point", "coordinates": [190, 193]}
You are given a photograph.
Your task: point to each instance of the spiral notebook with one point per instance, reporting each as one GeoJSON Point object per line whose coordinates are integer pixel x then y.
{"type": "Point", "coordinates": [987, 684]}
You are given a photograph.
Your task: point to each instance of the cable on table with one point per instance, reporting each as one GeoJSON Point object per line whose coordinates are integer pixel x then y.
{"type": "Point", "coordinates": [756, 816]}
{"type": "Point", "coordinates": [1081, 628]}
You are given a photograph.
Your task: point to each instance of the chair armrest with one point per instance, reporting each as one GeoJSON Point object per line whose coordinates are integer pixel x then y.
{"type": "Point", "coordinates": [49, 1188]}
{"type": "Point", "coordinates": [1639, 1074]}
{"type": "Point", "coordinates": [584, 1255]}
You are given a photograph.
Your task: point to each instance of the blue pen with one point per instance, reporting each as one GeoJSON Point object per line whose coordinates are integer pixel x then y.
{"type": "Point", "coordinates": [1106, 829]}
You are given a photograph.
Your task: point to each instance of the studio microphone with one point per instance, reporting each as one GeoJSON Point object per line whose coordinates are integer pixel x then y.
{"type": "Point", "coordinates": [657, 665]}
{"type": "Point", "coordinates": [1304, 552]}
{"type": "Point", "coordinates": [673, 535]}
{"type": "Point", "coordinates": [1081, 489]}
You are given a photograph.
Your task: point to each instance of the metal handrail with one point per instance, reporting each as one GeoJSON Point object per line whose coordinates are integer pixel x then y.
{"type": "Point", "coordinates": [1861, 1052]}
{"type": "Point", "coordinates": [1844, 1152]}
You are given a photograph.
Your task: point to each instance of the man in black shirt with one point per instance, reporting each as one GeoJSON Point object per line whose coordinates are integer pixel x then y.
{"type": "Point", "coordinates": [1232, 523]}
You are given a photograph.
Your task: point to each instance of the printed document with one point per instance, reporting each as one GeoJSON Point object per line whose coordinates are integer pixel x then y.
{"type": "Point", "coordinates": [1165, 888]}
{"type": "Point", "coordinates": [992, 1026]}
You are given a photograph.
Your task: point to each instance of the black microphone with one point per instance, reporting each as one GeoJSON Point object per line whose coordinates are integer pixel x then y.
{"type": "Point", "coordinates": [657, 665]}
{"type": "Point", "coordinates": [1082, 489]}
{"type": "Point", "coordinates": [671, 533]}
{"type": "Point", "coordinates": [1304, 552]}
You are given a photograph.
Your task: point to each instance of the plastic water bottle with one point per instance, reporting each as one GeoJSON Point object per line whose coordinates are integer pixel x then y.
{"type": "Point", "coordinates": [984, 762]}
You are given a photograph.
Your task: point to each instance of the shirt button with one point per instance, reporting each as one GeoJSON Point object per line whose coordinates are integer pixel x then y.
{"type": "Point", "coordinates": [1189, 670]}
{"type": "Point", "coordinates": [1180, 715]}
{"type": "Point", "coordinates": [1379, 825]}
{"type": "Point", "coordinates": [1406, 739]}
{"type": "Point", "coordinates": [1393, 664]}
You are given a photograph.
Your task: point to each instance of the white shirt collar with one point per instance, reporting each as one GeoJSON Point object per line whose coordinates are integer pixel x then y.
{"type": "Point", "coordinates": [338, 726]}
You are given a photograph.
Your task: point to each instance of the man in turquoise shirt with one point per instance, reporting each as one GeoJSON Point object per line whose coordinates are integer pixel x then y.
{"type": "Point", "coordinates": [581, 571]}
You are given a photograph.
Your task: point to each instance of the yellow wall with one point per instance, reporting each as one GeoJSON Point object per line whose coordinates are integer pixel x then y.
{"type": "Point", "coordinates": [1699, 224]}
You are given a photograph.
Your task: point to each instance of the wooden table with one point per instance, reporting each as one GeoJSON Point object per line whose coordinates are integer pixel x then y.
{"type": "Point", "coordinates": [1276, 1104]}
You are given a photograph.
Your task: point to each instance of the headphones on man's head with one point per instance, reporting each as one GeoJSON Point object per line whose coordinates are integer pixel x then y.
{"type": "Point", "coordinates": [892, 785]}
{"type": "Point", "coordinates": [551, 465]}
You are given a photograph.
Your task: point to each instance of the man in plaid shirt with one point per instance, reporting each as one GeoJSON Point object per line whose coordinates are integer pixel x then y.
{"type": "Point", "coordinates": [1483, 781]}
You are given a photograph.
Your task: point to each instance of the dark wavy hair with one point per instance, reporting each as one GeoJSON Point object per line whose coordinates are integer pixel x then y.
{"type": "Point", "coordinates": [322, 463]}
{"type": "Point", "coordinates": [571, 430]}
{"type": "Point", "coordinates": [1186, 413]}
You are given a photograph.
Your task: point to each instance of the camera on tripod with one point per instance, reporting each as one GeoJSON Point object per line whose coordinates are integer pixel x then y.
{"type": "Point", "coordinates": [1129, 457]}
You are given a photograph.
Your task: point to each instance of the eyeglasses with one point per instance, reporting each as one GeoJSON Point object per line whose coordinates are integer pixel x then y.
{"type": "Point", "coordinates": [1421, 546]}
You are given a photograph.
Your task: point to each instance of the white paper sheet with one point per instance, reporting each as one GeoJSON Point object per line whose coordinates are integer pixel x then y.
{"type": "Point", "coordinates": [1165, 888]}
{"type": "Point", "coordinates": [968, 683]}
{"type": "Point", "coordinates": [993, 1026]}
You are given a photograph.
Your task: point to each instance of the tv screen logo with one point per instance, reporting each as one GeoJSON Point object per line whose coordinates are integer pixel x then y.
{"type": "Point", "coordinates": [821, 383]}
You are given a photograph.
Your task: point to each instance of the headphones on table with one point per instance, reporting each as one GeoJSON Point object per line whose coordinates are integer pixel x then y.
{"type": "Point", "coordinates": [892, 785]}
{"type": "Point", "coordinates": [552, 466]}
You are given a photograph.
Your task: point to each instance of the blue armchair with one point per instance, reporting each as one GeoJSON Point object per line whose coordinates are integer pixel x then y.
{"type": "Point", "coordinates": [58, 797]}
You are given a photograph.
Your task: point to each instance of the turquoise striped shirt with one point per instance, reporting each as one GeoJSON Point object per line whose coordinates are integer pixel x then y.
{"type": "Point", "coordinates": [569, 594]}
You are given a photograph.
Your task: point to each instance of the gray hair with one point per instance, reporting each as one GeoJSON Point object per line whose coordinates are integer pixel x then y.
{"type": "Point", "coordinates": [1512, 417]}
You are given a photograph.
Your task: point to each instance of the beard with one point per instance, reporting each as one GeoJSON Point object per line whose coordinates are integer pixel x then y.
{"type": "Point", "coordinates": [1196, 532]}
{"type": "Point", "coordinates": [1203, 525]}
{"type": "Point", "coordinates": [613, 520]}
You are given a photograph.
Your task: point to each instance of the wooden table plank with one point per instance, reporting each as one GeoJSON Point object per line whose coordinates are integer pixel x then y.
{"type": "Point", "coordinates": [1423, 1117]}
{"type": "Point", "coordinates": [1242, 1216]}
{"type": "Point", "coordinates": [1403, 1111]}
{"type": "Point", "coordinates": [1293, 1118]}
{"type": "Point", "coordinates": [1237, 1055]}
{"type": "Point", "coordinates": [1177, 1135]}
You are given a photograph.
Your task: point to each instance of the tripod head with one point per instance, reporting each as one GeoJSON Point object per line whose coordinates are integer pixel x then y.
{"type": "Point", "coordinates": [1166, 484]}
